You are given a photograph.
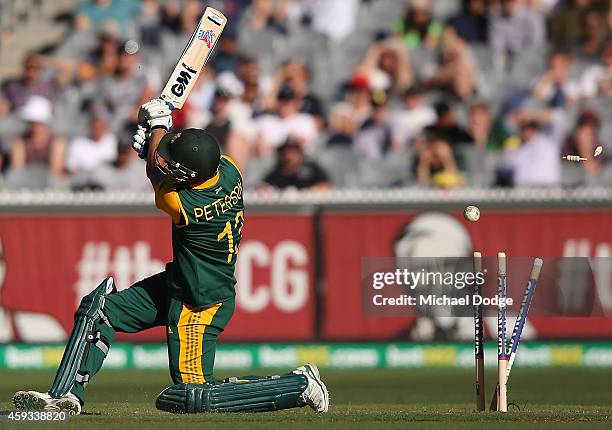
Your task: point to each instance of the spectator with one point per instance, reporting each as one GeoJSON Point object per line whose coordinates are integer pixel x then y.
{"type": "Point", "coordinates": [446, 126]}
{"type": "Point", "coordinates": [201, 98]}
{"type": "Point", "coordinates": [358, 98]}
{"type": "Point", "coordinates": [472, 23]}
{"type": "Point", "coordinates": [516, 29]}
{"type": "Point", "coordinates": [292, 170]}
{"type": "Point", "coordinates": [597, 80]}
{"type": "Point", "coordinates": [91, 14]}
{"type": "Point", "coordinates": [171, 16]}
{"type": "Point", "coordinates": [489, 134]}
{"type": "Point", "coordinates": [16, 92]}
{"type": "Point", "coordinates": [342, 126]}
{"type": "Point", "coordinates": [335, 18]}
{"type": "Point", "coordinates": [596, 31]}
{"type": "Point", "coordinates": [228, 118]}
{"type": "Point", "coordinates": [565, 26]}
{"type": "Point", "coordinates": [456, 73]}
{"type": "Point", "coordinates": [273, 129]}
{"type": "Point", "coordinates": [231, 114]}
{"type": "Point", "coordinates": [233, 10]}
{"type": "Point", "coordinates": [263, 16]}
{"type": "Point", "coordinates": [375, 139]}
{"type": "Point", "coordinates": [85, 153]}
{"type": "Point", "coordinates": [296, 75]}
{"type": "Point", "coordinates": [191, 11]}
{"type": "Point", "coordinates": [103, 60]}
{"type": "Point", "coordinates": [219, 124]}
{"type": "Point", "coordinates": [536, 162]}
{"type": "Point", "coordinates": [226, 56]}
{"type": "Point", "coordinates": [413, 118]}
{"type": "Point", "coordinates": [38, 145]}
{"type": "Point", "coordinates": [149, 23]}
{"type": "Point", "coordinates": [555, 87]}
{"type": "Point", "coordinates": [417, 27]}
{"type": "Point", "coordinates": [387, 67]}
{"type": "Point", "coordinates": [248, 69]}
{"type": "Point", "coordinates": [127, 89]}
{"type": "Point", "coordinates": [242, 109]}
{"type": "Point", "coordinates": [551, 122]}
{"type": "Point", "coordinates": [125, 173]}
{"type": "Point", "coordinates": [249, 73]}
{"type": "Point", "coordinates": [436, 165]}
{"type": "Point", "coordinates": [583, 142]}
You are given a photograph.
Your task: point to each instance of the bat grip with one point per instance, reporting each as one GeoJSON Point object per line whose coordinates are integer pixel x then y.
{"type": "Point", "coordinates": [144, 150]}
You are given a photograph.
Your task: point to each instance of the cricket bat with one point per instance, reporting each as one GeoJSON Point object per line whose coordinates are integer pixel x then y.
{"type": "Point", "coordinates": [194, 56]}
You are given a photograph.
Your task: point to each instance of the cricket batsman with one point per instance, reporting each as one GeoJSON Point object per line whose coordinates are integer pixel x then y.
{"type": "Point", "coordinates": [201, 191]}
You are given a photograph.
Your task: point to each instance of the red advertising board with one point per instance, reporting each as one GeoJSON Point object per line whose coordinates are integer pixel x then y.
{"type": "Point", "coordinates": [48, 262]}
{"type": "Point", "coordinates": [349, 237]}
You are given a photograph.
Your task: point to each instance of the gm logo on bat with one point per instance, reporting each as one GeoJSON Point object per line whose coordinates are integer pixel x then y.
{"type": "Point", "coordinates": [182, 80]}
{"type": "Point", "coordinates": [207, 36]}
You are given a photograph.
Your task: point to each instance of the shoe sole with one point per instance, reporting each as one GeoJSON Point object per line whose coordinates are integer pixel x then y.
{"type": "Point", "coordinates": [313, 371]}
{"type": "Point", "coordinates": [26, 401]}
{"type": "Point", "coordinates": [66, 406]}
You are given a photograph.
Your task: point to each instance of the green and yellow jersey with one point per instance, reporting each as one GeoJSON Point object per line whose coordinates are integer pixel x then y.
{"type": "Point", "coordinates": [206, 233]}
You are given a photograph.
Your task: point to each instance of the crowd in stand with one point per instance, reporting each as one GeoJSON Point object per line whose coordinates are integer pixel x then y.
{"type": "Point", "coordinates": [326, 93]}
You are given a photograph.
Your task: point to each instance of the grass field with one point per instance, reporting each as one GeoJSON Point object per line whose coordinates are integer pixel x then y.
{"type": "Point", "coordinates": [424, 399]}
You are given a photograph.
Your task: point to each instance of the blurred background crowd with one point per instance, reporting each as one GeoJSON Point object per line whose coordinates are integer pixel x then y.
{"type": "Point", "coordinates": [315, 93]}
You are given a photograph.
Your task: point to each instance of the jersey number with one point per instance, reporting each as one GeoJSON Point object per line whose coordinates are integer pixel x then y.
{"type": "Point", "coordinates": [227, 231]}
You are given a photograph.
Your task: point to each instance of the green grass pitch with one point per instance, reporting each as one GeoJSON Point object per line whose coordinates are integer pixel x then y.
{"type": "Point", "coordinates": [367, 399]}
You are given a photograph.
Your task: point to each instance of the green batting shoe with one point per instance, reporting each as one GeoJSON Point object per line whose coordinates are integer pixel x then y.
{"type": "Point", "coordinates": [31, 400]}
{"type": "Point", "coordinates": [68, 403]}
{"type": "Point", "coordinates": [315, 395]}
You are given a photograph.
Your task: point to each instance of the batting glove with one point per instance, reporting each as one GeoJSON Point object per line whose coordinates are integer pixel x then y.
{"type": "Point", "coordinates": [155, 114]}
{"type": "Point", "coordinates": [140, 142]}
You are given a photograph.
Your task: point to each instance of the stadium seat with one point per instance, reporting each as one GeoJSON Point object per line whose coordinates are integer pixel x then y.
{"type": "Point", "coordinates": [27, 178]}
{"type": "Point", "coordinates": [606, 175]}
{"type": "Point", "coordinates": [339, 163]}
{"type": "Point", "coordinates": [478, 164]}
{"type": "Point", "coordinates": [443, 10]}
{"type": "Point", "coordinates": [572, 175]}
{"type": "Point", "coordinates": [382, 13]}
{"type": "Point", "coordinates": [10, 128]}
{"type": "Point", "coordinates": [393, 170]}
{"type": "Point", "coordinates": [528, 66]}
{"type": "Point", "coordinates": [483, 56]}
{"type": "Point", "coordinates": [257, 169]}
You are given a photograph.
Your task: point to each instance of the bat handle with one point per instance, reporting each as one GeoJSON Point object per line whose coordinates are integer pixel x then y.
{"type": "Point", "coordinates": [170, 105]}
{"type": "Point", "coordinates": [144, 151]}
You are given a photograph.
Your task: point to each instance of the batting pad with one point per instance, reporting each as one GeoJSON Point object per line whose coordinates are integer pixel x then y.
{"type": "Point", "coordinates": [89, 341]}
{"type": "Point", "coordinates": [237, 395]}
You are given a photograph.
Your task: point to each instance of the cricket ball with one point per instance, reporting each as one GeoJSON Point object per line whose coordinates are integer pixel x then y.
{"type": "Point", "coordinates": [471, 213]}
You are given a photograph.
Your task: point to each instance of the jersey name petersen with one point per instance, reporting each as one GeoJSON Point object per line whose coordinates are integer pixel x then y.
{"type": "Point", "coordinates": [220, 206]}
